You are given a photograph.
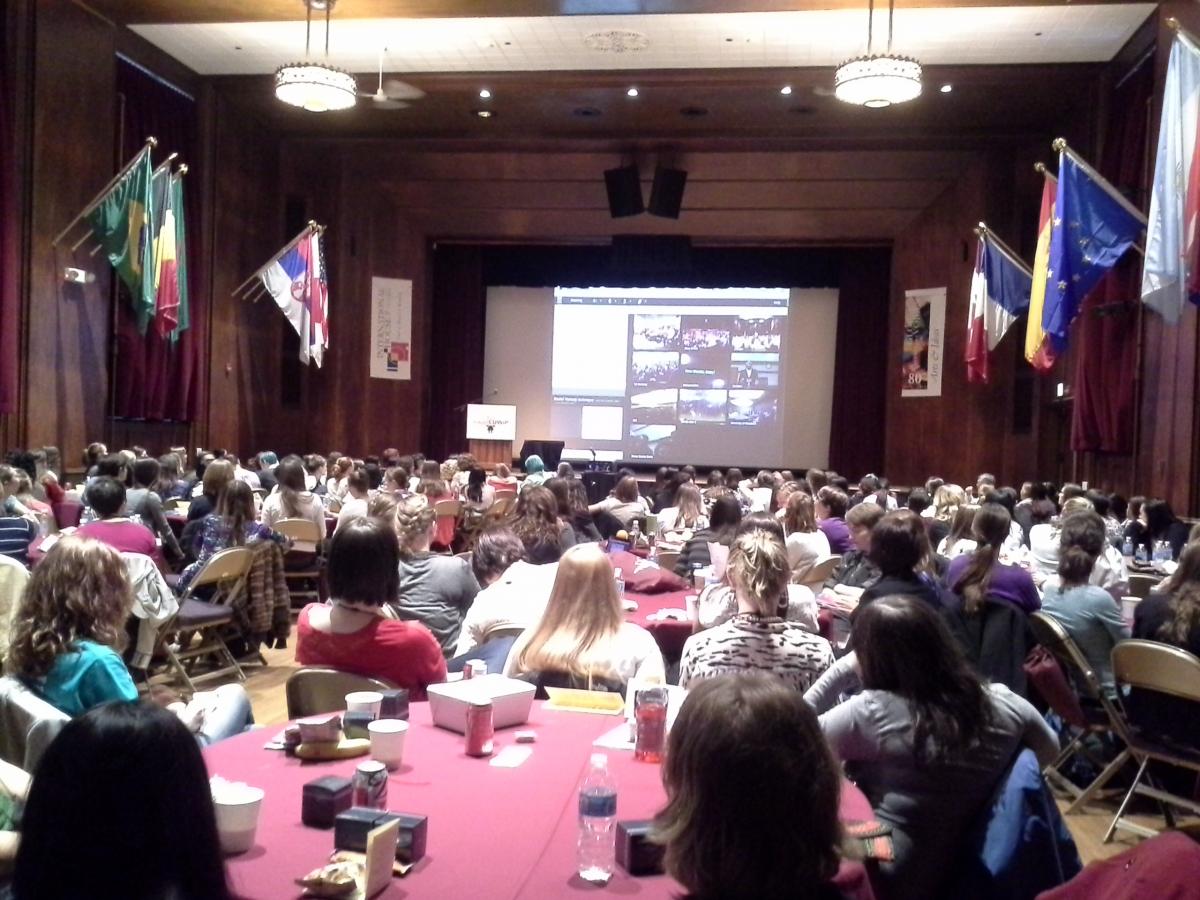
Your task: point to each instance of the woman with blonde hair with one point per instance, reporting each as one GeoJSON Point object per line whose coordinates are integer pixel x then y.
{"type": "Point", "coordinates": [435, 590]}
{"type": "Point", "coordinates": [960, 539]}
{"type": "Point", "coordinates": [806, 543]}
{"type": "Point", "coordinates": [946, 501]}
{"type": "Point", "coordinates": [757, 638]}
{"type": "Point", "coordinates": [582, 634]}
{"type": "Point", "coordinates": [679, 522]}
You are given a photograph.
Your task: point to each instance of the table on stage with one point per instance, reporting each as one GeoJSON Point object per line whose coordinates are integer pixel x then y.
{"type": "Point", "coordinates": [493, 832]}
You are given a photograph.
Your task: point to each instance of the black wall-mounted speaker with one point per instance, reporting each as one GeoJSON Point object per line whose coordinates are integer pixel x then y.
{"type": "Point", "coordinates": [624, 187]}
{"type": "Point", "coordinates": [666, 196]}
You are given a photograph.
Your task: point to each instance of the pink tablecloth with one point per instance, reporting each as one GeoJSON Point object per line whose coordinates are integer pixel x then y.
{"type": "Point", "coordinates": [493, 832]}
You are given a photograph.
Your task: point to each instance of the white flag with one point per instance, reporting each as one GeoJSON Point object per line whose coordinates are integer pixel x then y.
{"type": "Point", "coordinates": [1170, 230]}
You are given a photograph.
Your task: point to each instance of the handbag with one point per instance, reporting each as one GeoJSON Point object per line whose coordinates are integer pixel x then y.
{"type": "Point", "coordinates": [1046, 674]}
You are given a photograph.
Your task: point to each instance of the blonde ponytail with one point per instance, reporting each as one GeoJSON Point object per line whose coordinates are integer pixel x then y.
{"type": "Point", "coordinates": [758, 565]}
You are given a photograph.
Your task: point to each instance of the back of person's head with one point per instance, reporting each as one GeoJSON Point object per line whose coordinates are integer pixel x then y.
{"type": "Point", "coordinates": [449, 469]}
{"type": "Point", "coordinates": [932, 484]}
{"type": "Point", "coordinates": [145, 472]}
{"type": "Point", "coordinates": [816, 479]}
{"type": "Point", "coordinates": [124, 790]}
{"type": "Point", "coordinates": [358, 481]}
{"type": "Point", "coordinates": [752, 793]}
{"type": "Point", "coordinates": [626, 490]}
{"type": "Point", "coordinates": [565, 470]}
{"type": "Point", "coordinates": [170, 467]}
{"type": "Point", "coordinates": [918, 500]}
{"type": "Point", "coordinates": [1081, 541]}
{"type": "Point", "coordinates": [1100, 503]}
{"type": "Point", "coordinates": [415, 518]}
{"type": "Point", "coordinates": [578, 498]}
{"type": "Point", "coordinates": [217, 474]}
{"type": "Point", "coordinates": [113, 466]}
{"type": "Point", "coordinates": [986, 479]}
{"type": "Point", "coordinates": [833, 501]}
{"type": "Point", "coordinates": [1117, 506]}
{"type": "Point", "coordinates": [1002, 496]}
{"type": "Point", "coordinates": [535, 522]}
{"type": "Point", "coordinates": [314, 464]}
{"type": "Point", "coordinates": [496, 549]}
{"type": "Point", "coordinates": [92, 454]}
{"type": "Point", "coordinates": [1070, 491]}
{"type": "Point", "coordinates": [688, 472]}
{"type": "Point", "coordinates": [582, 617]}
{"type": "Point", "coordinates": [758, 569]}
{"type": "Point", "coordinates": [364, 561]}
{"type": "Point", "coordinates": [1134, 507]}
{"type": "Point", "coordinates": [962, 528]}
{"type": "Point", "coordinates": [236, 507]}
{"type": "Point", "coordinates": [503, 471]}
{"type": "Point", "coordinates": [1076, 505]}
{"type": "Point", "coordinates": [800, 516]}
{"type": "Point", "coordinates": [904, 647]}
{"type": "Point", "coordinates": [723, 518]}
{"type": "Point", "coordinates": [23, 461]}
{"type": "Point", "coordinates": [689, 503]}
{"type": "Point", "coordinates": [562, 494]}
{"type": "Point", "coordinates": [841, 483]}
{"type": "Point", "coordinates": [106, 496]}
{"type": "Point", "coordinates": [1184, 589]}
{"type": "Point", "coordinates": [716, 478]}
{"type": "Point", "coordinates": [760, 521]}
{"type": "Point", "coordinates": [868, 484]}
{"type": "Point", "coordinates": [534, 464]}
{"type": "Point", "coordinates": [1159, 517]}
{"type": "Point", "coordinates": [733, 476]}
{"type": "Point", "coordinates": [899, 544]}
{"type": "Point", "coordinates": [79, 591]}
{"type": "Point", "coordinates": [865, 515]}
{"type": "Point", "coordinates": [1041, 511]}
{"type": "Point", "coordinates": [267, 459]}
{"type": "Point", "coordinates": [947, 500]}
{"type": "Point", "coordinates": [990, 523]}
{"type": "Point", "coordinates": [764, 479]}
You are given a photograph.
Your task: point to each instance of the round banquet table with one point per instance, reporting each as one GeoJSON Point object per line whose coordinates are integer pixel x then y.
{"type": "Point", "coordinates": [669, 634]}
{"type": "Point", "coordinates": [493, 832]}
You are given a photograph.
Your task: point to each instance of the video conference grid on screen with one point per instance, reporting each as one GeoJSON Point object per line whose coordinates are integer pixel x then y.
{"type": "Point", "coordinates": [666, 374]}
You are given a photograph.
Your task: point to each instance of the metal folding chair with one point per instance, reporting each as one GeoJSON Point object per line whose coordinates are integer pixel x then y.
{"type": "Point", "coordinates": [304, 561]}
{"type": "Point", "coordinates": [313, 690]}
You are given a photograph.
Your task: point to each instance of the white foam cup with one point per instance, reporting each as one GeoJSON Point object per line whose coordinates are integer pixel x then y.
{"type": "Point", "coordinates": [237, 807]}
{"type": "Point", "coordinates": [387, 741]}
{"type": "Point", "coordinates": [364, 701]}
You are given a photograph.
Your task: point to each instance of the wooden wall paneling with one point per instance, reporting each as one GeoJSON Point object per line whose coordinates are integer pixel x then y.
{"type": "Point", "coordinates": [67, 357]}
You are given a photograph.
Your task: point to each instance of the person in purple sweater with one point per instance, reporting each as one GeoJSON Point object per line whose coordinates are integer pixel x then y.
{"type": "Point", "coordinates": [831, 511]}
{"type": "Point", "coordinates": [979, 576]}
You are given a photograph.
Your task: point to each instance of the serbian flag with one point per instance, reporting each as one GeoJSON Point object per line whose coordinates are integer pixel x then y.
{"type": "Point", "coordinates": [166, 270]}
{"type": "Point", "coordinates": [296, 280]}
{"type": "Point", "coordinates": [1038, 350]}
{"type": "Point", "coordinates": [1171, 273]}
{"type": "Point", "coordinates": [999, 293]}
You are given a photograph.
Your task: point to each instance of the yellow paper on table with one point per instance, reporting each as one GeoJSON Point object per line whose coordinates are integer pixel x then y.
{"type": "Point", "coordinates": [605, 703]}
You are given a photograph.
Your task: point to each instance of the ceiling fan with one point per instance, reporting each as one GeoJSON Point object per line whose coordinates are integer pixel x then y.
{"type": "Point", "coordinates": [393, 93]}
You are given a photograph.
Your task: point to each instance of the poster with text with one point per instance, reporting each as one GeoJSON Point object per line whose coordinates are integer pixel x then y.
{"type": "Point", "coordinates": [391, 328]}
{"type": "Point", "coordinates": [924, 342]}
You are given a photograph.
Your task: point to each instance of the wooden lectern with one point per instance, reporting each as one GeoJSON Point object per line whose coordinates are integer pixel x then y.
{"type": "Point", "coordinates": [491, 430]}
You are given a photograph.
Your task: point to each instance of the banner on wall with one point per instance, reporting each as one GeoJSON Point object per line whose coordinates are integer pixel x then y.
{"type": "Point", "coordinates": [391, 328]}
{"type": "Point", "coordinates": [924, 342]}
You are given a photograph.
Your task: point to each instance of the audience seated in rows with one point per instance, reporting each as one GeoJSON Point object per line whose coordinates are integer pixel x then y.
{"type": "Point", "coordinates": [981, 575]}
{"type": "Point", "coordinates": [293, 499]}
{"type": "Point", "coordinates": [571, 497]}
{"type": "Point", "coordinates": [112, 527]}
{"type": "Point", "coordinates": [233, 524]}
{"type": "Point", "coordinates": [355, 492]}
{"type": "Point", "coordinates": [900, 550]}
{"type": "Point", "coordinates": [831, 506]}
{"type": "Point", "coordinates": [213, 478]}
{"type": "Point", "coordinates": [536, 522]}
{"type": "Point", "coordinates": [806, 543]}
{"type": "Point", "coordinates": [353, 632]}
{"type": "Point", "coordinates": [678, 522]}
{"type": "Point", "coordinates": [625, 504]}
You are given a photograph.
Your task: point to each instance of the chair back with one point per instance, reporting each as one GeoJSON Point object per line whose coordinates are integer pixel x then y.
{"type": "Point", "coordinates": [501, 630]}
{"type": "Point", "coordinates": [444, 508]}
{"type": "Point", "coordinates": [1154, 666]}
{"type": "Point", "coordinates": [1140, 585]}
{"type": "Point", "coordinates": [227, 569]}
{"type": "Point", "coordinates": [1050, 633]}
{"type": "Point", "coordinates": [667, 559]}
{"type": "Point", "coordinates": [822, 569]}
{"type": "Point", "coordinates": [501, 506]}
{"type": "Point", "coordinates": [300, 532]}
{"type": "Point", "coordinates": [27, 724]}
{"type": "Point", "coordinates": [313, 690]}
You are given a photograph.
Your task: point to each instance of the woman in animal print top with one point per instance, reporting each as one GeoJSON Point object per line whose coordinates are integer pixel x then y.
{"type": "Point", "coordinates": [757, 639]}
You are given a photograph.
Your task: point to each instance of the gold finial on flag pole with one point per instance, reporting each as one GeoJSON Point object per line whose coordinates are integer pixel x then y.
{"type": "Point", "coordinates": [1059, 145]}
{"type": "Point", "coordinates": [1040, 168]}
{"type": "Point", "coordinates": [1173, 23]}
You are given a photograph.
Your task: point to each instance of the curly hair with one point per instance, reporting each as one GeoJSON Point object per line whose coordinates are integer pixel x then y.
{"type": "Point", "coordinates": [414, 516]}
{"type": "Point", "coordinates": [80, 591]}
{"type": "Point", "coordinates": [536, 523]}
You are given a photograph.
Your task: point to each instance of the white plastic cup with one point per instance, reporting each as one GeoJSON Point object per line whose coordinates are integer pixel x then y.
{"type": "Point", "coordinates": [692, 601]}
{"type": "Point", "coordinates": [387, 741]}
{"type": "Point", "coordinates": [364, 701]}
{"type": "Point", "coordinates": [237, 817]}
{"type": "Point", "coordinates": [1129, 606]}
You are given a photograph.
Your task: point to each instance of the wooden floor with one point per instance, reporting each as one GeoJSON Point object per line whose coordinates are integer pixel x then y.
{"type": "Point", "coordinates": [265, 687]}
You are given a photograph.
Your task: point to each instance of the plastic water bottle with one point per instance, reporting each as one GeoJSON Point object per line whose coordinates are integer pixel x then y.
{"type": "Point", "coordinates": [1127, 547]}
{"type": "Point", "coordinates": [597, 822]}
{"type": "Point", "coordinates": [619, 578]}
{"type": "Point", "coordinates": [1140, 554]}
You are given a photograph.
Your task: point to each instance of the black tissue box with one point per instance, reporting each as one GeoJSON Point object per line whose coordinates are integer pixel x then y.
{"type": "Point", "coordinates": [352, 827]}
{"type": "Point", "coordinates": [394, 705]}
{"type": "Point", "coordinates": [354, 724]}
{"type": "Point", "coordinates": [636, 853]}
{"type": "Point", "coordinates": [323, 799]}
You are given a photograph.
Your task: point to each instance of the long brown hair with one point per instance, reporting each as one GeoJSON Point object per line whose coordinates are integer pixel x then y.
{"type": "Point", "coordinates": [236, 508]}
{"type": "Point", "coordinates": [582, 618]}
{"type": "Point", "coordinates": [752, 793]}
{"type": "Point", "coordinates": [991, 526]}
{"type": "Point", "coordinates": [290, 476]}
{"type": "Point", "coordinates": [80, 591]}
{"type": "Point", "coordinates": [1081, 542]}
{"type": "Point", "coordinates": [689, 506]}
{"type": "Point", "coordinates": [1184, 605]}
{"type": "Point", "coordinates": [536, 523]}
{"type": "Point", "coordinates": [800, 516]}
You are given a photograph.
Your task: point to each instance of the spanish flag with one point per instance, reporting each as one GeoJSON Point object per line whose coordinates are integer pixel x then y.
{"type": "Point", "coordinates": [1038, 351]}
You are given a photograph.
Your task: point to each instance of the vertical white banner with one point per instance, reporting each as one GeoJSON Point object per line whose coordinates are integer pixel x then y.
{"type": "Point", "coordinates": [391, 328]}
{"type": "Point", "coordinates": [924, 342]}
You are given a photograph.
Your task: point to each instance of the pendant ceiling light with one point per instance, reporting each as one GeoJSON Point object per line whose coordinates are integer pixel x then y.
{"type": "Point", "coordinates": [878, 80]}
{"type": "Point", "coordinates": [316, 86]}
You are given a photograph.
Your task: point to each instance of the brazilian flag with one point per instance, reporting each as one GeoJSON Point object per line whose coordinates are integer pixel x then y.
{"type": "Point", "coordinates": [122, 223]}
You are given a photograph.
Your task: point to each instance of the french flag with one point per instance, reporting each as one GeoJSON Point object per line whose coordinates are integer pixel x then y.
{"type": "Point", "coordinates": [1000, 288]}
{"type": "Point", "coordinates": [296, 280]}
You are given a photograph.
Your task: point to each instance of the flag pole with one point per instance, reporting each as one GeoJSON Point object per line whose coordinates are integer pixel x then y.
{"type": "Point", "coordinates": [1182, 32]}
{"type": "Point", "coordinates": [77, 244]}
{"type": "Point", "coordinates": [988, 235]}
{"type": "Point", "coordinates": [151, 142]}
{"type": "Point", "coordinates": [1061, 146]}
{"type": "Point", "coordinates": [308, 229]}
{"type": "Point", "coordinates": [1041, 169]}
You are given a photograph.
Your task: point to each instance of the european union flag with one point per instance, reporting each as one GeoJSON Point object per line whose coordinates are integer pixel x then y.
{"type": "Point", "coordinates": [1090, 232]}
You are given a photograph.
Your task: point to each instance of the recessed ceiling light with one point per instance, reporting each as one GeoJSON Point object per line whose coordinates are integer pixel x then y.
{"type": "Point", "coordinates": [947, 88]}
{"type": "Point", "coordinates": [632, 92]}
{"type": "Point", "coordinates": [485, 94]}
{"type": "Point", "coordinates": [785, 90]}
{"type": "Point", "coordinates": [484, 113]}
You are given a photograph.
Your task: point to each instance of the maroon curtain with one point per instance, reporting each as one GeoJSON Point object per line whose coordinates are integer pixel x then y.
{"type": "Point", "coordinates": [154, 379]}
{"type": "Point", "coordinates": [10, 254]}
{"type": "Point", "coordinates": [1107, 331]}
{"type": "Point", "coordinates": [456, 346]}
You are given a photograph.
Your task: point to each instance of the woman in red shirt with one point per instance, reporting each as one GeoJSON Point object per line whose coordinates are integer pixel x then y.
{"type": "Point", "coordinates": [351, 633]}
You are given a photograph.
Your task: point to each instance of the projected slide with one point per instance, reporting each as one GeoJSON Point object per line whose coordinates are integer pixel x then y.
{"type": "Point", "coordinates": [667, 374]}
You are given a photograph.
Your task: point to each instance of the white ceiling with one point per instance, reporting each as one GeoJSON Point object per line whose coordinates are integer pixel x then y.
{"type": "Point", "coordinates": [954, 36]}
